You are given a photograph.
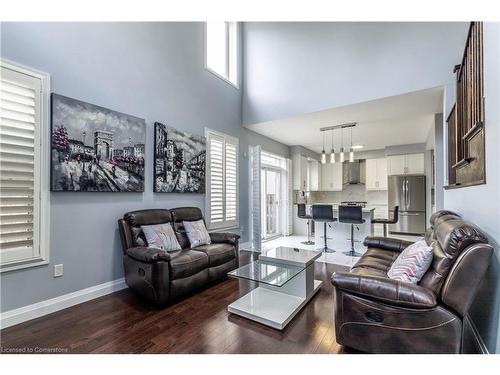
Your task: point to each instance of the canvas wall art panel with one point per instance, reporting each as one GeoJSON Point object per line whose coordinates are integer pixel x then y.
{"type": "Point", "coordinates": [179, 161]}
{"type": "Point", "coordinates": [95, 149]}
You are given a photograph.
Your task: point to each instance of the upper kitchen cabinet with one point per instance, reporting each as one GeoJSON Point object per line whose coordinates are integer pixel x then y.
{"type": "Point", "coordinates": [406, 164]}
{"type": "Point", "coordinates": [313, 175]}
{"type": "Point", "coordinates": [331, 177]}
{"type": "Point", "coordinates": [306, 173]}
{"type": "Point", "coordinates": [376, 174]}
{"type": "Point", "coordinates": [299, 166]}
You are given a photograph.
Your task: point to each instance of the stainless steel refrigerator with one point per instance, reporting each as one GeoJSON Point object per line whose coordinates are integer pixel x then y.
{"type": "Point", "coordinates": [407, 192]}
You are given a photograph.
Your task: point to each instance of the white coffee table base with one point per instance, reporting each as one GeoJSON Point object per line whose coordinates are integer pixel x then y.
{"type": "Point", "coordinates": [276, 306]}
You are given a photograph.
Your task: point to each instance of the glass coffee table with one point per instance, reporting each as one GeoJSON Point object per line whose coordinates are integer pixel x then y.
{"type": "Point", "coordinates": [286, 283]}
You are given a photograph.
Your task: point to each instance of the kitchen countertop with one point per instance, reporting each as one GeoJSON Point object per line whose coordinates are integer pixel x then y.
{"type": "Point", "coordinates": [335, 206]}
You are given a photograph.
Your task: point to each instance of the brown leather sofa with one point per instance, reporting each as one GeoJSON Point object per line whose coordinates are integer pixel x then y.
{"type": "Point", "coordinates": [160, 276]}
{"type": "Point", "coordinates": [378, 315]}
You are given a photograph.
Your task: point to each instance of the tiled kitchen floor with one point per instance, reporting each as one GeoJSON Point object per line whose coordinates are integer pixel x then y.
{"type": "Point", "coordinates": [333, 258]}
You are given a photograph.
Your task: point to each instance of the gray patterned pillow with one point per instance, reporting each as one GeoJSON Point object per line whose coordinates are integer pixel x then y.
{"type": "Point", "coordinates": [197, 233]}
{"type": "Point", "coordinates": [161, 236]}
{"type": "Point", "coordinates": [412, 263]}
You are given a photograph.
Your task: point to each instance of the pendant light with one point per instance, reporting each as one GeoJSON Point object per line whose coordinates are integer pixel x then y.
{"type": "Point", "coordinates": [332, 153]}
{"type": "Point", "coordinates": [351, 151]}
{"type": "Point", "coordinates": [342, 158]}
{"type": "Point", "coordinates": [323, 153]}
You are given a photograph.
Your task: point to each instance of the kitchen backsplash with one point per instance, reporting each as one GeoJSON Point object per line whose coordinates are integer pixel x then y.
{"type": "Point", "coordinates": [350, 193]}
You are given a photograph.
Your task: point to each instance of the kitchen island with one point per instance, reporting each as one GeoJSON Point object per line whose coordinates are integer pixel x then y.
{"type": "Point", "coordinates": [337, 234]}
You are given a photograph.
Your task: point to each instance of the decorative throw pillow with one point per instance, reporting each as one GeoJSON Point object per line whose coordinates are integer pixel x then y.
{"type": "Point", "coordinates": [161, 236]}
{"type": "Point", "coordinates": [197, 233]}
{"type": "Point", "coordinates": [412, 263]}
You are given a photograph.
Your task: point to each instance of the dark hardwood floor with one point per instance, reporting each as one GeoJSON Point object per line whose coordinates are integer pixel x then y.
{"type": "Point", "coordinates": [122, 323]}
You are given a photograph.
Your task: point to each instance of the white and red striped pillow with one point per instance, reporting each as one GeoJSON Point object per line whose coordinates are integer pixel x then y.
{"type": "Point", "coordinates": [412, 263]}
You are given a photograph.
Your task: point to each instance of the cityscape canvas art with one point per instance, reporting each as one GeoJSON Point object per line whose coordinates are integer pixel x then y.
{"type": "Point", "coordinates": [95, 149]}
{"type": "Point", "coordinates": [179, 161]}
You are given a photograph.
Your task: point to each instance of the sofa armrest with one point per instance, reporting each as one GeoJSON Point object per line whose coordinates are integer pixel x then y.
{"type": "Point", "coordinates": [386, 243]}
{"type": "Point", "coordinates": [230, 238]}
{"type": "Point", "coordinates": [147, 254]}
{"type": "Point", "coordinates": [392, 292]}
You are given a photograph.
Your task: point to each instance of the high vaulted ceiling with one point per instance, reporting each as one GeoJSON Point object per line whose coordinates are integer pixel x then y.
{"type": "Point", "coordinates": [396, 120]}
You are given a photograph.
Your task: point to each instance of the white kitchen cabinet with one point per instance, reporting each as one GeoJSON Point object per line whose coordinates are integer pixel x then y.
{"type": "Point", "coordinates": [306, 173]}
{"type": "Point", "coordinates": [299, 168]}
{"type": "Point", "coordinates": [376, 174]}
{"type": "Point", "coordinates": [313, 175]}
{"type": "Point", "coordinates": [406, 164]}
{"type": "Point", "coordinates": [415, 164]}
{"type": "Point", "coordinates": [331, 177]}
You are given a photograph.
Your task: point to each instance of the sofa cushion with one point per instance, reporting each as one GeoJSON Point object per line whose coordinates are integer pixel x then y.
{"type": "Point", "coordinates": [161, 236]}
{"type": "Point", "coordinates": [197, 233]}
{"type": "Point", "coordinates": [180, 232]}
{"type": "Point", "coordinates": [218, 253]}
{"type": "Point", "coordinates": [181, 214]}
{"type": "Point", "coordinates": [376, 259]}
{"type": "Point", "coordinates": [178, 216]}
{"type": "Point", "coordinates": [412, 263]}
{"type": "Point", "coordinates": [452, 237]}
{"type": "Point", "coordinates": [145, 217]}
{"type": "Point", "coordinates": [187, 262]}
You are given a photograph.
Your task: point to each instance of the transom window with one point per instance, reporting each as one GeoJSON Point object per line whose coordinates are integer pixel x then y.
{"type": "Point", "coordinates": [221, 49]}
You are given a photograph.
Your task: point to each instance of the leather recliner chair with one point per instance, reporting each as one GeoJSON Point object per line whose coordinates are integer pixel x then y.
{"type": "Point", "coordinates": [160, 276]}
{"type": "Point", "coordinates": [376, 314]}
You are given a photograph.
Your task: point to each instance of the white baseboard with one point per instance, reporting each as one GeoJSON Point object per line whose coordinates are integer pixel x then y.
{"type": "Point", "coordinates": [36, 310]}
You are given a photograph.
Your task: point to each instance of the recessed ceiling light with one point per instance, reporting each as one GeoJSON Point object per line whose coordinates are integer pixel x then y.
{"type": "Point", "coordinates": [357, 147]}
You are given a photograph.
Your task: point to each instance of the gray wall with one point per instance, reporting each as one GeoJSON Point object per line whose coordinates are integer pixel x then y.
{"type": "Point", "coordinates": [292, 68]}
{"type": "Point", "coordinates": [481, 204]}
{"type": "Point", "coordinates": [439, 162]}
{"type": "Point", "coordinates": [150, 70]}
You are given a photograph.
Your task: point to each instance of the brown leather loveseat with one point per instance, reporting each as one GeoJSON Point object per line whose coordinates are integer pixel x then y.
{"type": "Point", "coordinates": [379, 315]}
{"type": "Point", "coordinates": [160, 276]}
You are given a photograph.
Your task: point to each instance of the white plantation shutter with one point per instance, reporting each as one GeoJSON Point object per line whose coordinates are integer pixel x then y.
{"type": "Point", "coordinates": [222, 181]}
{"type": "Point", "coordinates": [231, 195]}
{"type": "Point", "coordinates": [216, 181]}
{"type": "Point", "coordinates": [20, 149]}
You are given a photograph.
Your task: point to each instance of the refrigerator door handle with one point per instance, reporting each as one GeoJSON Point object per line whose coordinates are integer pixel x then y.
{"type": "Point", "coordinates": [405, 194]}
{"type": "Point", "coordinates": [408, 203]}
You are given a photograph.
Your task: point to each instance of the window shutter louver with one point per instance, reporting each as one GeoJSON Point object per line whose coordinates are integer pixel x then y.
{"type": "Point", "coordinates": [19, 121]}
{"type": "Point", "coordinates": [231, 182]}
{"type": "Point", "coordinates": [222, 190]}
{"type": "Point", "coordinates": [216, 188]}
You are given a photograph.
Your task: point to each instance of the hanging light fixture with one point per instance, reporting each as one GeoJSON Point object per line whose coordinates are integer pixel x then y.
{"type": "Point", "coordinates": [323, 153]}
{"type": "Point", "coordinates": [332, 153]}
{"type": "Point", "coordinates": [342, 157]}
{"type": "Point", "coordinates": [351, 151]}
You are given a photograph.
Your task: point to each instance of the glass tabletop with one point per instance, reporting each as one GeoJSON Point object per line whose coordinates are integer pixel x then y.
{"type": "Point", "coordinates": [267, 273]}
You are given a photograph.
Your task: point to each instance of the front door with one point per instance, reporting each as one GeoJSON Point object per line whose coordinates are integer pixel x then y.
{"type": "Point", "coordinates": [271, 203]}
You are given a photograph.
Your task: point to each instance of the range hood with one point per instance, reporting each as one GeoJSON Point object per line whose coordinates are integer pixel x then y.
{"type": "Point", "coordinates": [354, 173]}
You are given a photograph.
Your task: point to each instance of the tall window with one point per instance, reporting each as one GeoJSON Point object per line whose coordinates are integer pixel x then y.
{"type": "Point", "coordinates": [222, 180]}
{"type": "Point", "coordinates": [23, 167]}
{"type": "Point", "coordinates": [221, 49]}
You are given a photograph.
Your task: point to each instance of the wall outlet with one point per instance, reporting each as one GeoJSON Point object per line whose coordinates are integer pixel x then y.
{"type": "Point", "coordinates": [58, 270]}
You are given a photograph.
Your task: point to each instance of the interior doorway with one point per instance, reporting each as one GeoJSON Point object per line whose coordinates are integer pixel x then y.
{"type": "Point", "coordinates": [271, 203]}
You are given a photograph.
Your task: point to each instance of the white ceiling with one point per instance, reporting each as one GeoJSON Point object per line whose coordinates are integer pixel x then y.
{"type": "Point", "coordinates": [395, 120]}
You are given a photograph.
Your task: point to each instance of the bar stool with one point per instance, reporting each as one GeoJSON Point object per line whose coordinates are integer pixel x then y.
{"type": "Point", "coordinates": [301, 214]}
{"type": "Point", "coordinates": [351, 215]}
{"type": "Point", "coordinates": [394, 220]}
{"type": "Point", "coordinates": [324, 213]}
